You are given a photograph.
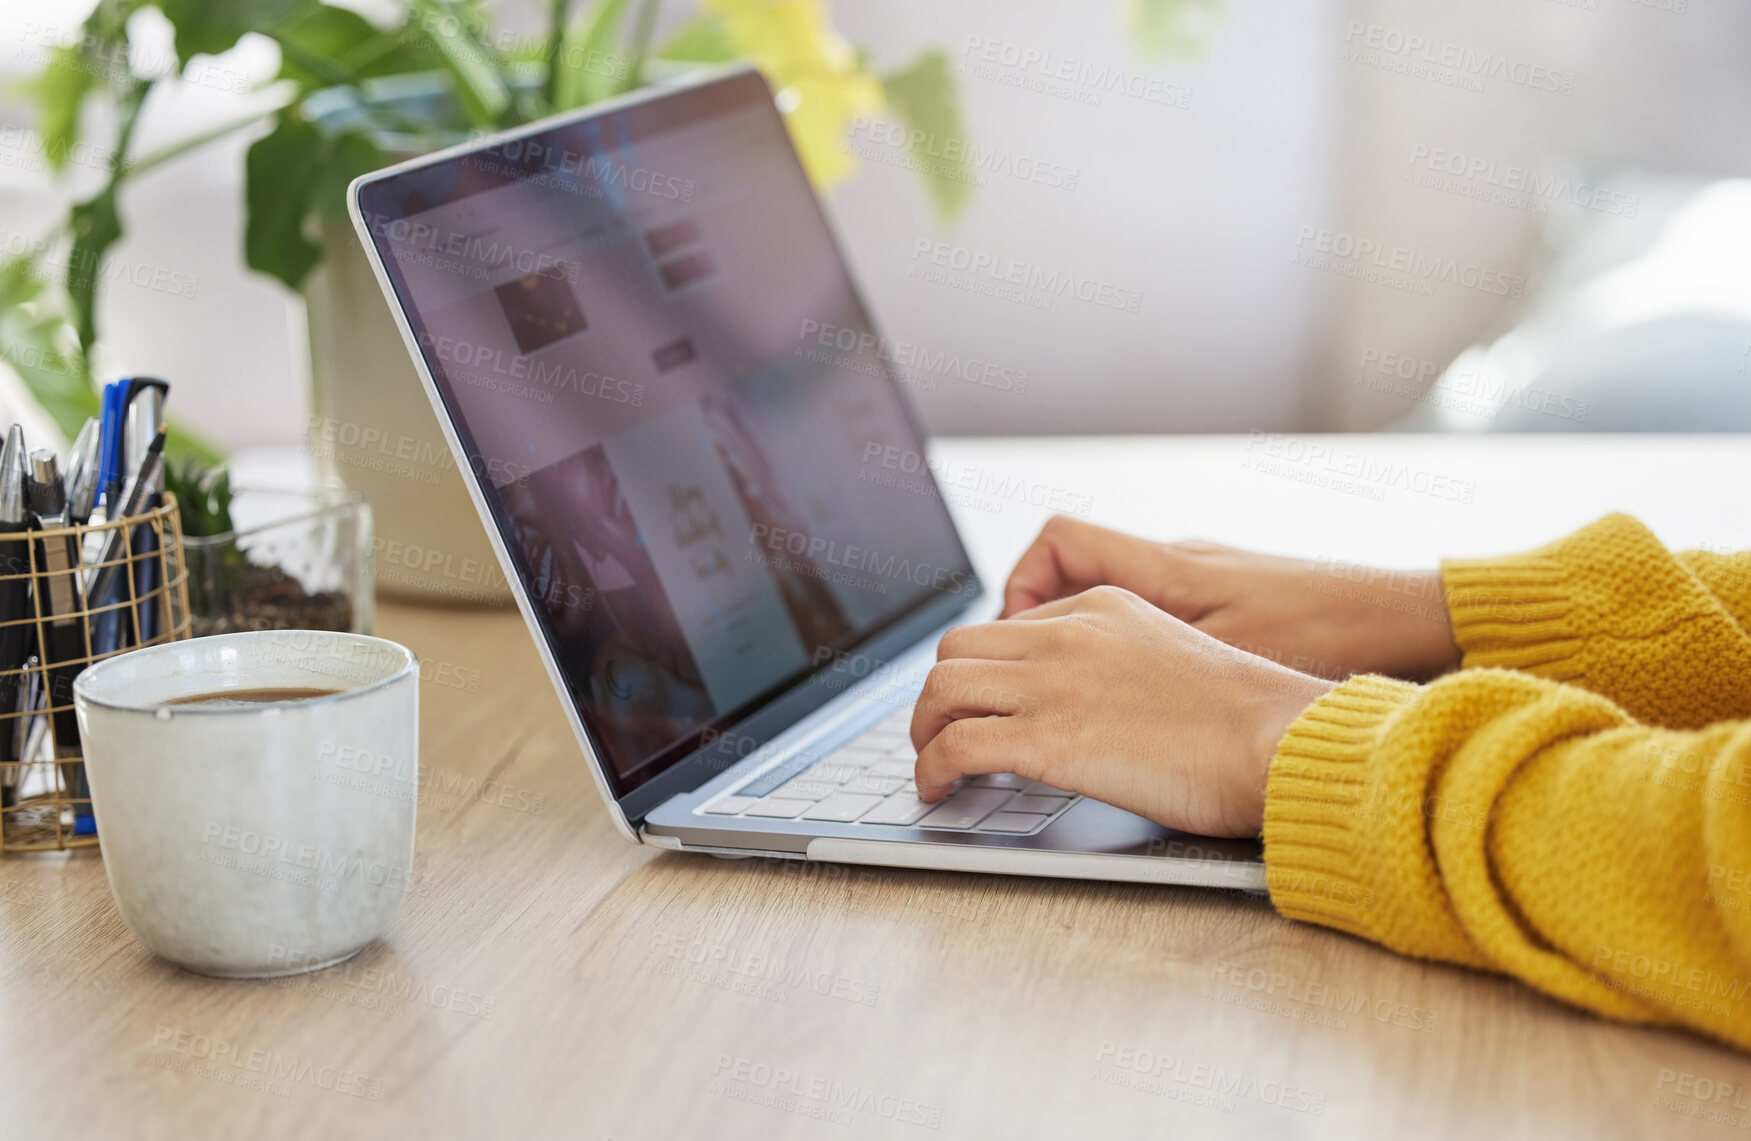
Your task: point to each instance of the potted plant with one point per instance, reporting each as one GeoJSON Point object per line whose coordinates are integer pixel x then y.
{"type": "Point", "coordinates": [295, 560]}
{"type": "Point", "coordinates": [352, 95]}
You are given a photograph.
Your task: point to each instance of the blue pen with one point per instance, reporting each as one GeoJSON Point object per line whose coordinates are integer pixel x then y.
{"type": "Point", "coordinates": [107, 632]}
{"type": "Point", "coordinates": [115, 396]}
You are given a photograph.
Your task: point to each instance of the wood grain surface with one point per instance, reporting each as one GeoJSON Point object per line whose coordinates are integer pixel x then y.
{"type": "Point", "coordinates": [547, 979]}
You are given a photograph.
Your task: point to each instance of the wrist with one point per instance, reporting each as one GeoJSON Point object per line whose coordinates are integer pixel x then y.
{"type": "Point", "coordinates": [1278, 707]}
{"type": "Point", "coordinates": [1415, 633]}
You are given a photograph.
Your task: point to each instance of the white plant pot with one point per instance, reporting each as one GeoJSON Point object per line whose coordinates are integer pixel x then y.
{"type": "Point", "coordinates": [373, 430]}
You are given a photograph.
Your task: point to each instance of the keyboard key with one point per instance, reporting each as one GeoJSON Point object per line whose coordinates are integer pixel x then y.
{"type": "Point", "coordinates": [901, 769]}
{"type": "Point", "coordinates": [1034, 803]}
{"type": "Point", "coordinates": [730, 805]}
{"type": "Point", "coordinates": [874, 786]}
{"type": "Point", "coordinates": [844, 808]}
{"type": "Point", "coordinates": [832, 772]}
{"type": "Point", "coordinates": [901, 808]}
{"type": "Point", "coordinates": [778, 774]}
{"type": "Point", "coordinates": [1040, 788]}
{"type": "Point", "coordinates": [804, 788]}
{"type": "Point", "coordinates": [997, 780]}
{"type": "Point", "coordinates": [1007, 821]}
{"type": "Point", "coordinates": [903, 752]}
{"type": "Point", "coordinates": [965, 808]}
{"type": "Point", "coordinates": [780, 809]}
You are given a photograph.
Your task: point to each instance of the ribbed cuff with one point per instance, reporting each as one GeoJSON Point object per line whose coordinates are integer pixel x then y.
{"type": "Point", "coordinates": [1322, 811]}
{"type": "Point", "coordinates": [1514, 613]}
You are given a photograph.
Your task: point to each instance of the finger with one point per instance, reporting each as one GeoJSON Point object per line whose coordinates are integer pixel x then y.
{"type": "Point", "coordinates": [994, 641]}
{"type": "Point", "coordinates": [968, 747]}
{"type": "Point", "coordinates": [1057, 608]}
{"type": "Point", "coordinates": [1068, 557]}
{"type": "Point", "coordinates": [964, 687]}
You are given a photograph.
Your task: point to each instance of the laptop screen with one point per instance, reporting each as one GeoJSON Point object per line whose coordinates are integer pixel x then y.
{"type": "Point", "coordinates": [688, 433]}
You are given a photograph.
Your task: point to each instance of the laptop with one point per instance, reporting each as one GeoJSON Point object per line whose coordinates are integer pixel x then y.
{"type": "Point", "coordinates": [696, 461]}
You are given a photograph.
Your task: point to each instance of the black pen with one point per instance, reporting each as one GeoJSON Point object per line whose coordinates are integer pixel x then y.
{"type": "Point", "coordinates": [61, 603]}
{"type": "Point", "coordinates": [101, 578]}
{"type": "Point", "coordinates": [14, 608]}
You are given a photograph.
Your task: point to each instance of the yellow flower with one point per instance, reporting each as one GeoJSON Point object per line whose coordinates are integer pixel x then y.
{"type": "Point", "coordinates": [821, 83]}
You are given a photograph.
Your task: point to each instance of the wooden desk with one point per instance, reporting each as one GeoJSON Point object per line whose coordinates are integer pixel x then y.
{"type": "Point", "coordinates": [547, 979]}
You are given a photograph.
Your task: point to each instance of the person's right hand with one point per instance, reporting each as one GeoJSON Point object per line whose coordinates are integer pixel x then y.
{"type": "Point", "coordinates": [1328, 619]}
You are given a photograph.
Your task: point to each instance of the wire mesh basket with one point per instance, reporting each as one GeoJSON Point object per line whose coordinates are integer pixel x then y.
{"type": "Point", "coordinates": [61, 614]}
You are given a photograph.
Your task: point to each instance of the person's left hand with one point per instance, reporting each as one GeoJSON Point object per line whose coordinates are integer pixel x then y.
{"type": "Point", "coordinates": [1104, 695]}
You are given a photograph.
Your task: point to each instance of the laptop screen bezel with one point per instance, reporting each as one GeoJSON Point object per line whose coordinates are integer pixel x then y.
{"type": "Point", "coordinates": [720, 746]}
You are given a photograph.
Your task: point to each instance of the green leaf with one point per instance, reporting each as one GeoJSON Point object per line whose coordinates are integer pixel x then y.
{"type": "Point", "coordinates": [588, 68]}
{"type": "Point", "coordinates": [60, 93]}
{"type": "Point", "coordinates": [924, 97]}
{"type": "Point", "coordinates": [203, 493]}
{"type": "Point", "coordinates": [292, 175]}
{"type": "Point", "coordinates": [1170, 29]}
{"type": "Point", "coordinates": [39, 344]}
{"type": "Point", "coordinates": [321, 45]}
{"type": "Point", "coordinates": [703, 39]}
{"type": "Point", "coordinates": [96, 226]}
{"type": "Point", "coordinates": [472, 65]}
{"type": "Point", "coordinates": [345, 158]}
{"type": "Point", "coordinates": [281, 173]}
{"type": "Point", "coordinates": [209, 27]}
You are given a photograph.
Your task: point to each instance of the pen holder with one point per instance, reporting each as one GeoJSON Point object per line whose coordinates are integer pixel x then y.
{"type": "Point", "coordinates": [44, 803]}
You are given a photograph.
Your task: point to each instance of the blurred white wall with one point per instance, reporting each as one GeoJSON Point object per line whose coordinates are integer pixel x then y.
{"type": "Point", "coordinates": [1221, 196]}
{"type": "Point", "coordinates": [1187, 198]}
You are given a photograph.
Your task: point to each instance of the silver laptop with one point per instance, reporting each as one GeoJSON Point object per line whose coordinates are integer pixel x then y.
{"type": "Point", "coordinates": [694, 458]}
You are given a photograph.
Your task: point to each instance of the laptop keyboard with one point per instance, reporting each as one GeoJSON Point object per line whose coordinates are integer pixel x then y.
{"type": "Point", "coordinates": [869, 782]}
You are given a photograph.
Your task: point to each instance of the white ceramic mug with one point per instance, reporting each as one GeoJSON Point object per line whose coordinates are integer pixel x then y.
{"type": "Point", "coordinates": [249, 840]}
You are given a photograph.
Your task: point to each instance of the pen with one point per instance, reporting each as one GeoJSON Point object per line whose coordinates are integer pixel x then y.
{"type": "Point", "coordinates": [84, 472]}
{"type": "Point", "coordinates": [142, 420]}
{"type": "Point", "coordinates": [110, 472]}
{"type": "Point", "coordinates": [14, 606]}
{"type": "Point", "coordinates": [62, 602]}
{"type": "Point", "coordinates": [101, 578]}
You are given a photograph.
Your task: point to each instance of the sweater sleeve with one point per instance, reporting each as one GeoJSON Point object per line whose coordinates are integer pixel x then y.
{"type": "Point", "coordinates": [1666, 636]}
{"type": "Point", "coordinates": [1516, 824]}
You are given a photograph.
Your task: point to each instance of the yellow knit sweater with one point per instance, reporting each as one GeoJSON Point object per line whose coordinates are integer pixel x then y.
{"type": "Point", "coordinates": [1573, 808]}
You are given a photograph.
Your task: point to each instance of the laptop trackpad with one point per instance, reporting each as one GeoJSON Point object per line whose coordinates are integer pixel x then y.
{"type": "Point", "coordinates": [1094, 826]}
